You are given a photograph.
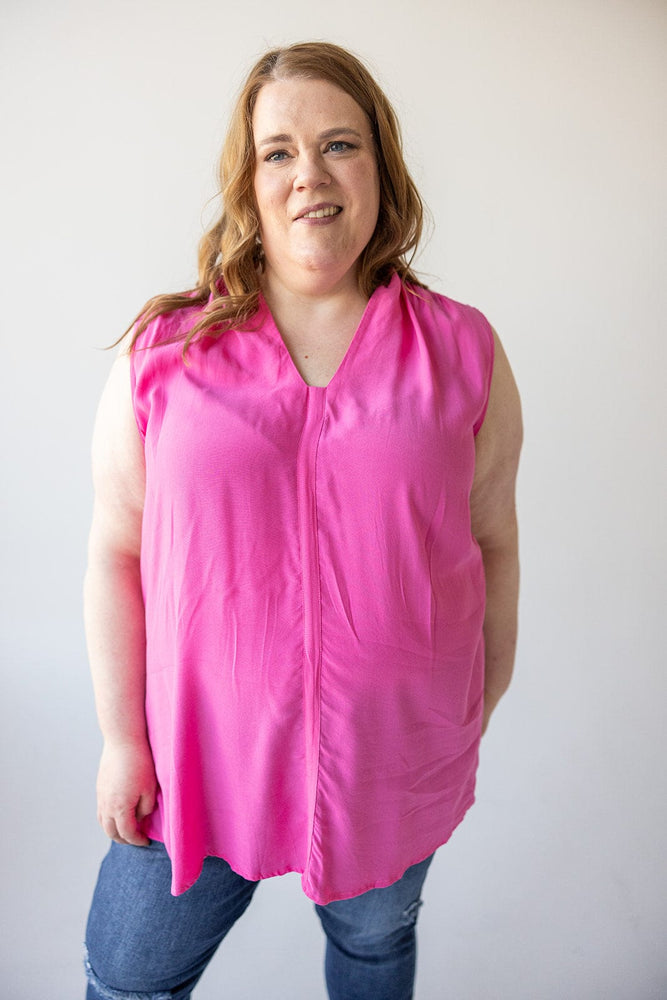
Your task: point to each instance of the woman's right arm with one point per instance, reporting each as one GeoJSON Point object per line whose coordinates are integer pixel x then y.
{"type": "Point", "coordinates": [114, 614]}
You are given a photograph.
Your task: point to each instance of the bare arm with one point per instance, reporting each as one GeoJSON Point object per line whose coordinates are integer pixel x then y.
{"type": "Point", "coordinates": [494, 526]}
{"type": "Point", "coordinates": [114, 614]}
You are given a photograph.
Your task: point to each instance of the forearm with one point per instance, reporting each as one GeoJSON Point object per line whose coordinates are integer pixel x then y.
{"type": "Point", "coordinates": [116, 637]}
{"type": "Point", "coordinates": [501, 569]}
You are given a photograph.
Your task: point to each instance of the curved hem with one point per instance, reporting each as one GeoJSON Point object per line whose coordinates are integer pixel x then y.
{"type": "Point", "coordinates": [178, 888]}
{"type": "Point", "coordinates": [385, 883]}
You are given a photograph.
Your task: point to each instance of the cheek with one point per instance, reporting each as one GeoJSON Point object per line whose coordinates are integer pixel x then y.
{"type": "Point", "coordinates": [372, 200]}
{"type": "Point", "coordinates": [267, 199]}
{"type": "Point", "coordinates": [371, 192]}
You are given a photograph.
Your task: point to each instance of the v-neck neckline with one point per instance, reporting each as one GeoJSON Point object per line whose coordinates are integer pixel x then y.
{"type": "Point", "coordinates": [351, 350]}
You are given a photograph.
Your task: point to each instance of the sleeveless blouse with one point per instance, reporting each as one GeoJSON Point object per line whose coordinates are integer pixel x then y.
{"type": "Point", "coordinates": [314, 597]}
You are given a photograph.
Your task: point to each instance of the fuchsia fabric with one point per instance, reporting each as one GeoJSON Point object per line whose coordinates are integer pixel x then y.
{"type": "Point", "coordinates": [314, 597]}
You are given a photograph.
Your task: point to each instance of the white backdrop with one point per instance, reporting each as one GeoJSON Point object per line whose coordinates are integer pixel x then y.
{"type": "Point", "coordinates": [536, 132]}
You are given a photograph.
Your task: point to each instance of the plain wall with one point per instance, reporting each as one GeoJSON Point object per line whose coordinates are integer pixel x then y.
{"type": "Point", "coordinates": [536, 133]}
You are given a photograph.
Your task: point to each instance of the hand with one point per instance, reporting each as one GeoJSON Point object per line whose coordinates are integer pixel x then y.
{"type": "Point", "coordinates": [126, 791]}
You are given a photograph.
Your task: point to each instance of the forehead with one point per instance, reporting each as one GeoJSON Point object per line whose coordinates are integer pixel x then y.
{"type": "Point", "coordinates": [285, 106]}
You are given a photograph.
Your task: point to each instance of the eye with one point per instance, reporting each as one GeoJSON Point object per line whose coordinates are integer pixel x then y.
{"type": "Point", "coordinates": [338, 146]}
{"type": "Point", "coordinates": [277, 156]}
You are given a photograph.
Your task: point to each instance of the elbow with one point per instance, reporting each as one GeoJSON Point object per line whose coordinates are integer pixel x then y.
{"type": "Point", "coordinates": [500, 536]}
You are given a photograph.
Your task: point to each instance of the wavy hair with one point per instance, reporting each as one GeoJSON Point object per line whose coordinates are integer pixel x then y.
{"type": "Point", "coordinates": [230, 255]}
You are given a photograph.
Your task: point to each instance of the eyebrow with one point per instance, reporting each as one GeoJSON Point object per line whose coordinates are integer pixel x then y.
{"type": "Point", "coordinates": [330, 133]}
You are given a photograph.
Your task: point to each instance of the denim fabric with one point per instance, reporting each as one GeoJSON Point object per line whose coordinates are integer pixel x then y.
{"type": "Point", "coordinates": [142, 943]}
{"type": "Point", "coordinates": [371, 940]}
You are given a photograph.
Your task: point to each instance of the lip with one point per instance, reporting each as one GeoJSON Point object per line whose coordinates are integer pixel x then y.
{"type": "Point", "coordinates": [316, 208]}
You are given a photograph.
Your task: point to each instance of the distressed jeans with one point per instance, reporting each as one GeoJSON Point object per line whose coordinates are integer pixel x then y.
{"type": "Point", "coordinates": [142, 943]}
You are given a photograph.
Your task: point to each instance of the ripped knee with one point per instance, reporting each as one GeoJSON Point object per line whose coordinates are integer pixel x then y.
{"type": "Point", "coordinates": [104, 992]}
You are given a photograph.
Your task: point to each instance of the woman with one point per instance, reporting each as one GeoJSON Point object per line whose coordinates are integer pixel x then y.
{"type": "Point", "coordinates": [292, 655]}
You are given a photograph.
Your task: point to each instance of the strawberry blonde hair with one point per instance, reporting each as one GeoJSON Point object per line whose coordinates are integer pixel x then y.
{"type": "Point", "coordinates": [230, 255]}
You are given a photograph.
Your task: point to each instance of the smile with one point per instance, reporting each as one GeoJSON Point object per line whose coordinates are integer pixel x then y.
{"type": "Point", "coordinates": [322, 213]}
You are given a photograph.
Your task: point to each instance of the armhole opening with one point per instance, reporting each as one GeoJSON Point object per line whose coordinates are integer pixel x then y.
{"type": "Point", "coordinates": [489, 376]}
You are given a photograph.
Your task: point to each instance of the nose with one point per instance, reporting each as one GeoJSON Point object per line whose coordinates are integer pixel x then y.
{"type": "Point", "coordinates": [311, 171]}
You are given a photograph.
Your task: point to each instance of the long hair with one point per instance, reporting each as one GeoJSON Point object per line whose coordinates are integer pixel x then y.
{"type": "Point", "coordinates": [230, 257]}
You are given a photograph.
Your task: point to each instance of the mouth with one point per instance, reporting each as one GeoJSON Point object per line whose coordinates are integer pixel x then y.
{"type": "Point", "coordinates": [320, 212]}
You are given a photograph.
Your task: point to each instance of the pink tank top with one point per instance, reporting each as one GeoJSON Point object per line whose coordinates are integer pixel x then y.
{"type": "Point", "coordinates": [314, 596]}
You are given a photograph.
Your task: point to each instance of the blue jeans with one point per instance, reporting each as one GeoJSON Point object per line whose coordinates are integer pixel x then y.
{"type": "Point", "coordinates": [142, 943]}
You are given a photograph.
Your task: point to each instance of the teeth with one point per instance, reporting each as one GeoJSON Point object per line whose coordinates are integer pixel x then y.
{"type": "Point", "coordinates": [322, 213]}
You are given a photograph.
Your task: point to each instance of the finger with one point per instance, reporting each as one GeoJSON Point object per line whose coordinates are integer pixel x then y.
{"type": "Point", "coordinates": [146, 804]}
{"type": "Point", "coordinates": [126, 824]}
{"type": "Point", "coordinates": [108, 824]}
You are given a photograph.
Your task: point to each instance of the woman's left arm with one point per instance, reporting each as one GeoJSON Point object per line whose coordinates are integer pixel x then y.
{"type": "Point", "coordinates": [494, 525]}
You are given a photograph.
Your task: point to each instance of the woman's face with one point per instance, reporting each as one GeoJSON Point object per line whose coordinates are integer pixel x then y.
{"type": "Point", "coordinates": [316, 184]}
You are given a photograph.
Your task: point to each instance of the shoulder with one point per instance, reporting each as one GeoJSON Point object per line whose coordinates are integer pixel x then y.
{"type": "Point", "coordinates": [154, 359]}
{"type": "Point", "coordinates": [503, 420]}
{"type": "Point", "coordinates": [461, 336]}
{"type": "Point", "coordinates": [117, 453]}
{"type": "Point", "coordinates": [458, 316]}
{"type": "Point", "coordinates": [166, 329]}
{"type": "Point", "coordinates": [463, 326]}
{"type": "Point", "coordinates": [158, 348]}
{"type": "Point", "coordinates": [497, 450]}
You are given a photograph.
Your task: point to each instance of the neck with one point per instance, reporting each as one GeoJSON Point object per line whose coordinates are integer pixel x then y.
{"type": "Point", "coordinates": [317, 329]}
{"type": "Point", "coordinates": [291, 305]}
